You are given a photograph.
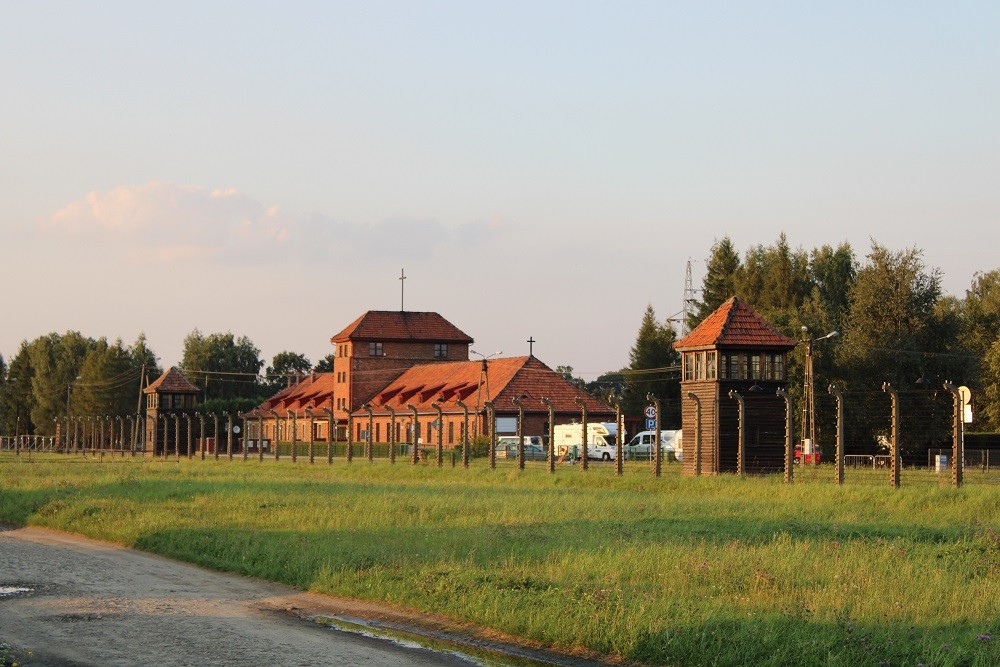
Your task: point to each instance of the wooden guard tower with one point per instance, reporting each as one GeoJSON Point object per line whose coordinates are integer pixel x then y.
{"type": "Point", "coordinates": [733, 349]}
{"type": "Point", "coordinates": [168, 400]}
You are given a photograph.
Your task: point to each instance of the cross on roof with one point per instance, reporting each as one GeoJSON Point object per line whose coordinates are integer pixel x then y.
{"type": "Point", "coordinates": [402, 277]}
{"type": "Point", "coordinates": [531, 346]}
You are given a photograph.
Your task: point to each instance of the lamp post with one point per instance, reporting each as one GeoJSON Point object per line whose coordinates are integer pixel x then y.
{"type": "Point", "coordinates": [552, 430]}
{"type": "Point", "coordinates": [465, 432]}
{"type": "Point", "coordinates": [808, 397]}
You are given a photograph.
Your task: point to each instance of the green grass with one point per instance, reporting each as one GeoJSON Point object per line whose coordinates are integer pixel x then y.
{"type": "Point", "coordinates": [680, 571]}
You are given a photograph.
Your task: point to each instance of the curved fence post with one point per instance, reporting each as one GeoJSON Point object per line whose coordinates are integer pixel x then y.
{"type": "Point", "coordinates": [839, 395]}
{"type": "Point", "coordinates": [894, 441]}
{"type": "Point", "coordinates": [741, 442]}
{"type": "Point", "coordinates": [789, 451]}
{"type": "Point", "coordinates": [957, 437]}
{"type": "Point", "coordinates": [697, 432]}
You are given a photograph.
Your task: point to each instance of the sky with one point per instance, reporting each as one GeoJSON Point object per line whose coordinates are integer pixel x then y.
{"type": "Point", "coordinates": [539, 169]}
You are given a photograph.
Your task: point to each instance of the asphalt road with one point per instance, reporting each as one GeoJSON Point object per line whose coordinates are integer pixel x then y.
{"type": "Point", "coordinates": [71, 601]}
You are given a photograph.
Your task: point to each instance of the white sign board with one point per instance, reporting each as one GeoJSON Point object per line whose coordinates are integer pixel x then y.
{"type": "Point", "coordinates": [650, 412]}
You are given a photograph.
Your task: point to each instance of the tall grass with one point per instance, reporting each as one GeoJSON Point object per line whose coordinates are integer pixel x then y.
{"type": "Point", "coordinates": [713, 571]}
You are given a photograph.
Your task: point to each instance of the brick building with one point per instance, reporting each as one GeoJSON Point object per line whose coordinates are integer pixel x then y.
{"type": "Point", "coordinates": [399, 361]}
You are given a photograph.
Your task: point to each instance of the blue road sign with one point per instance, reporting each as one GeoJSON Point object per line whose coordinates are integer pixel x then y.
{"type": "Point", "coordinates": [650, 424]}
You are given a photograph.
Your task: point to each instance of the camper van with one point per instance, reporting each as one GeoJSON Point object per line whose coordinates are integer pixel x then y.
{"type": "Point", "coordinates": [601, 438]}
{"type": "Point", "coordinates": [641, 446]}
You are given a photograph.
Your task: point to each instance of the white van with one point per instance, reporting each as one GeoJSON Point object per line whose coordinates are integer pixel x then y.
{"type": "Point", "coordinates": [641, 446]}
{"type": "Point", "coordinates": [512, 440]}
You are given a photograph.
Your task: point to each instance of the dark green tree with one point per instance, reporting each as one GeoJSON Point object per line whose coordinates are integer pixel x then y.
{"type": "Point", "coordinates": [651, 361]}
{"type": "Point", "coordinates": [719, 282]}
{"type": "Point", "coordinates": [222, 366]}
{"type": "Point", "coordinates": [16, 413]}
{"type": "Point", "coordinates": [325, 365]}
{"type": "Point", "coordinates": [285, 367]}
{"type": "Point", "coordinates": [567, 372]}
{"type": "Point", "coordinates": [56, 361]}
{"type": "Point", "coordinates": [109, 381]}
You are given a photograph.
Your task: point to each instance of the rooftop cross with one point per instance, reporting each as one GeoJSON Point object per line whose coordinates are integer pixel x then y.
{"type": "Point", "coordinates": [402, 277]}
{"type": "Point", "coordinates": [531, 346]}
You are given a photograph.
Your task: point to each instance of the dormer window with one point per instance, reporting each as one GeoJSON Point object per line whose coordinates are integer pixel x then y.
{"type": "Point", "coordinates": [440, 350]}
{"type": "Point", "coordinates": [375, 350]}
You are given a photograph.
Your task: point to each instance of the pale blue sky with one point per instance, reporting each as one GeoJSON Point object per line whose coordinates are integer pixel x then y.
{"type": "Point", "coordinates": [540, 168]}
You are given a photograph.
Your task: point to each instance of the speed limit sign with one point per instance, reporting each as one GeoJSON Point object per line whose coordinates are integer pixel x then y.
{"type": "Point", "coordinates": [650, 412]}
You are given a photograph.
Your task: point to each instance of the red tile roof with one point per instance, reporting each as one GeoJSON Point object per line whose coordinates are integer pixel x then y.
{"type": "Point", "coordinates": [314, 392]}
{"type": "Point", "coordinates": [735, 324]}
{"type": "Point", "coordinates": [401, 325]}
{"type": "Point", "coordinates": [447, 383]}
{"type": "Point", "coordinates": [172, 382]}
{"type": "Point", "coordinates": [450, 382]}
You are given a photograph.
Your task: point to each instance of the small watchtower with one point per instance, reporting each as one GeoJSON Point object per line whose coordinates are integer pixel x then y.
{"type": "Point", "coordinates": [168, 399]}
{"type": "Point", "coordinates": [736, 349]}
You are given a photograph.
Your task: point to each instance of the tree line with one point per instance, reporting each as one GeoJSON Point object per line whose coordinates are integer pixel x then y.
{"type": "Point", "coordinates": [895, 323]}
{"type": "Point", "coordinates": [59, 373]}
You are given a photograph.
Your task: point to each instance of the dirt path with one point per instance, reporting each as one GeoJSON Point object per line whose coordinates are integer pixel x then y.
{"type": "Point", "coordinates": [73, 601]}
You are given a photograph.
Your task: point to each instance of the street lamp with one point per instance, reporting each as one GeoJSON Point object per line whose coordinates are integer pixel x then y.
{"type": "Point", "coordinates": [808, 398]}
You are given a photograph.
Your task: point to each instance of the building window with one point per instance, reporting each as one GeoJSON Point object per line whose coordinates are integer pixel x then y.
{"type": "Point", "coordinates": [378, 432]}
{"type": "Point", "coordinates": [755, 366]}
{"type": "Point", "coordinates": [375, 350]}
{"type": "Point", "coordinates": [699, 366]}
{"type": "Point", "coordinates": [689, 366]}
{"type": "Point", "coordinates": [710, 364]}
{"type": "Point", "coordinates": [451, 432]}
{"type": "Point", "coordinates": [779, 366]}
{"type": "Point", "coordinates": [440, 350]}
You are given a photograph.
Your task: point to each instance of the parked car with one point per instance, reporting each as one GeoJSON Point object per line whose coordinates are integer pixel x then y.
{"type": "Point", "coordinates": [532, 452]}
{"type": "Point", "coordinates": [641, 446]}
{"type": "Point", "coordinates": [528, 440]}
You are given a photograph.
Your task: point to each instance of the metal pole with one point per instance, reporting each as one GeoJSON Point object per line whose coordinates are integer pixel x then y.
{"type": "Point", "coordinates": [789, 448]}
{"type": "Point", "coordinates": [465, 433]}
{"type": "Point", "coordinates": [229, 436]}
{"type": "Point", "coordinates": [697, 432]}
{"type": "Point", "coordinates": [520, 432]}
{"type": "Point", "coordinates": [330, 433]}
{"type": "Point", "coordinates": [552, 437]}
{"type": "Point", "coordinates": [619, 435]}
{"type": "Point", "coordinates": [740, 453]}
{"type": "Point", "coordinates": [583, 428]}
{"type": "Point", "coordinates": [657, 454]}
{"type": "Point", "coordinates": [277, 435]}
{"type": "Point", "coordinates": [957, 435]}
{"type": "Point", "coordinates": [189, 422]}
{"type": "Point", "coordinates": [312, 438]}
{"type": "Point", "coordinates": [293, 418]}
{"type": "Point", "coordinates": [894, 442]}
{"type": "Point", "coordinates": [369, 444]}
{"type": "Point", "coordinates": [416, 433]}
{"type": "Point", "coordinates": [392, 434]}
{"type": "Point", "coordinates": [350, 436]}
{"type": "Point", "coordinates": [215, 435]}
{"type": "Point", "coordinates": [841, 426]}
{"type": "Point", "coordinates": [440, 430]}
{"type": "Point", "coordinates": [177, 437]}
{"type": "Point", "coordinates": [491, 424]}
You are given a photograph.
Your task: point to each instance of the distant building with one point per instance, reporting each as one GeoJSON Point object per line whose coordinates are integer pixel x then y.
{"type": "Point", "coordinates": [387, 361]}
{"type": "Point", "coordinates": [735, 349]}
{"type": "Point", "coordinates": [171, 403]}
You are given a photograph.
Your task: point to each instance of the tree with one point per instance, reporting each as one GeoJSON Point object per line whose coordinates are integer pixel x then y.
{"type": "Point", "coordinates": [283, 366]}
{"type": "Point", "coordinates": [325, 365]}
{"type": "Point", "coordinates": [719, 282]}
{"type": "Point", "coordinates": [56, 361]}
{"type": "Point", "coordinates": [649, 360]}
{"type": "Point", "coordinates": [567, 372]}
{"type": "Point", "coordinates": [16, 413]}
{"type": "Point", "coordinates": [889, 330]}
{"type": "Point", "coordinates": [109, 381]}
{"type": "Point", "coordinates": [221, 365]}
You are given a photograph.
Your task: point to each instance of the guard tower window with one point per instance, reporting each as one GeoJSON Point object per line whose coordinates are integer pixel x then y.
{"type": "Point", "coordinates": [689, 366]}
{"type": "Point", "coordinates": [710, 364]}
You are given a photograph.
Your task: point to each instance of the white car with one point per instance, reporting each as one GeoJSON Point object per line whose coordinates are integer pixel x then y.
{"type": "Point", "coordinates": [641, 446]}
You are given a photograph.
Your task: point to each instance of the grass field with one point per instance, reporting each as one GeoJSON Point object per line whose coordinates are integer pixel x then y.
{"type": "Point", "coordinates": [679, 571]}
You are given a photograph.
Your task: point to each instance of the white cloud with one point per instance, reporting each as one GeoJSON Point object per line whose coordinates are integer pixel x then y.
{"type": "Point", "coordinates": [169, 223]}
